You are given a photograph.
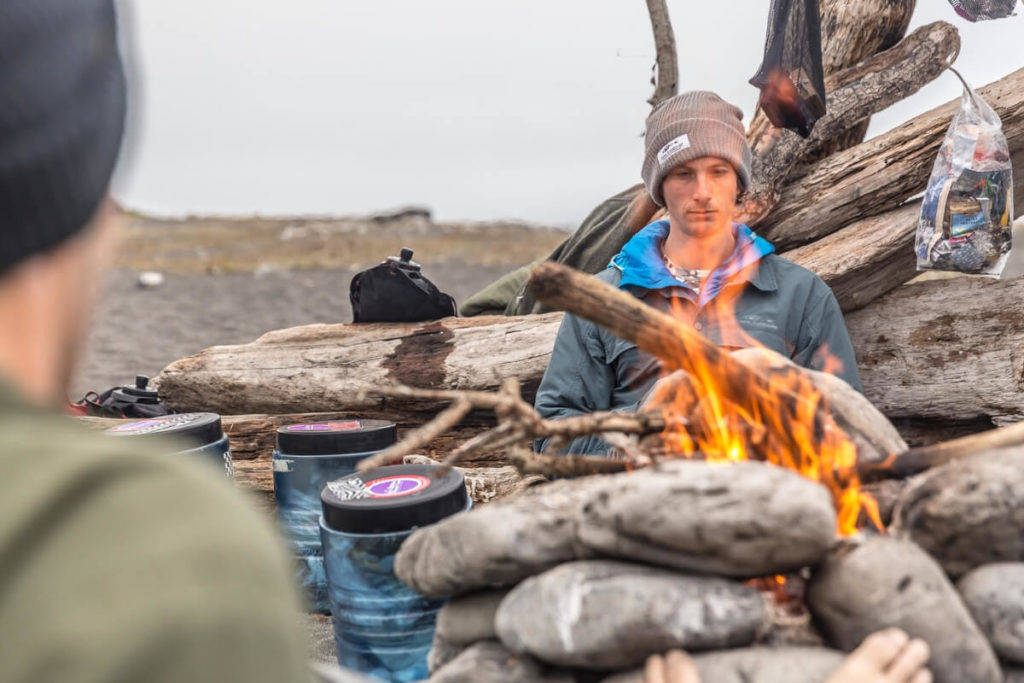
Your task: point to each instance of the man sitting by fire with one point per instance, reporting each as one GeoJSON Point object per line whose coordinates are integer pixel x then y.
{"type": "Point", "coordinates": [698, 266]}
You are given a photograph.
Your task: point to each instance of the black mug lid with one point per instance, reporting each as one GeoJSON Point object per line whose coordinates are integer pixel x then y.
{"type": "Point", "coordinates": [337, 437]}
{"type": "Point", "coordinates": [392, 499]}
{"type": "Point", "coordinates": [201, 428]}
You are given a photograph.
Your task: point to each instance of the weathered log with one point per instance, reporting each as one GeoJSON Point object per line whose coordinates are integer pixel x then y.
{"type": "Point", "coordinates": [883, 581]}
{"type": "Point", "coordinates": [879, 174]}
{"type": "Point", "coordinates": [324, 367]}
{"type": "Point", "coordinates": [944, 349]}
{"type": "Point", "coordinates": [490, 662]}
{"type": "Point", "coordinates": [598, 614]}
{"type": "Point", "coordinates": [494, 546]}
{"type": "Point", "coordinates": [850, 33]}
{"type": "Point", "coordinates": [967, 513]}
{"type": "Point", "coordinates": [867, 258]}
{"type": "Point", "coordinates": [857, 93]}
{"type": "Point", "coordinates": [743, 519]}
{"type": "Point", "coordinates": [758, 665]}
{"type": "Point", "coordinates": [994, 594]}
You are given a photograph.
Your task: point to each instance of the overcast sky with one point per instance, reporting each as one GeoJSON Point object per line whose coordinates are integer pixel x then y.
{"type": "Point", "coordinates": [478, 109]}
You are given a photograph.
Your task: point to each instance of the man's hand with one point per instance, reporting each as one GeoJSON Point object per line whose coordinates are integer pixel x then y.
{"type": "Point", "coordinates": [674, 667]}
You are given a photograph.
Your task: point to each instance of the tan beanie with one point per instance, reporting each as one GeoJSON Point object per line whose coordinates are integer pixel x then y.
{"type": "Point", "coordinates": [689, 126]}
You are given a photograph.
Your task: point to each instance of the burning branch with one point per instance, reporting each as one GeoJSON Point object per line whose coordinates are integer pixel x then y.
{"type": "Point", "coordinates": [667, 81]}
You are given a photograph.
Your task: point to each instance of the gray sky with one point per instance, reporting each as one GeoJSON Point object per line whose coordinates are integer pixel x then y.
{"type": "Point", "coordinates": [479, 109]}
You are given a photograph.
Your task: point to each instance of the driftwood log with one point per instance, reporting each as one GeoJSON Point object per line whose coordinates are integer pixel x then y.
{"type": "Point", "coordinates": [882, 582]}
{"type": "Point", "coordinates": [850, 33]}
{"type": "Point", "coordinates": [882, 173]}
{"type": "Point", "coordinates": [605, 615]}
{"type": "Point", "coordinates": [852, 96]}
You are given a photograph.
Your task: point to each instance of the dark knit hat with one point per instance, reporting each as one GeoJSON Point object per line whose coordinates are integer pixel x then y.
{"type": "Point", "coordinates": [689, 126]}
{"type": "Point", "coordinates": [62, 115]}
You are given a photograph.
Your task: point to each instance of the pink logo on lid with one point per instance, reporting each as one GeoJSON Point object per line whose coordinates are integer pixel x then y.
{"type": "Point", "coordinates": [398, 485]}
{"type": "Point", "coordinates": [349, 426]}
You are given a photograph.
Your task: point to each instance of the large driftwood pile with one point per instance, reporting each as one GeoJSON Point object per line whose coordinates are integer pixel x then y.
{"type": "Point", "coordinates": [589, 576]}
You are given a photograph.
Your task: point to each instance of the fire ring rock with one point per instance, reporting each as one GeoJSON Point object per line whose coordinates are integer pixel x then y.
{"type": "Point", "coordinates": [743, 519]}
{"type": "Point", "coordinates": [969, 512]}
{"type": "Point", "coordinates": [466, 619]}
{"type": "Point", "coordinates": [601, 615]}
{"type": "Point", "coordinates": [494, 546]}
{"type": "Point", "coordinates": [994, 594]}
{"type": "Point", "coordinates": [881, 581]}
{"type": "Point", "coordinates": [758, 665]}
{"type": "Point", "coordinates": [489, 662]}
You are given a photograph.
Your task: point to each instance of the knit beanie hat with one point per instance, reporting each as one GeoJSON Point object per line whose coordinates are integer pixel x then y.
{"type": "Point", "coordinates": [62, 114]}
{"type": "Point", "coordinates": [689, 126]}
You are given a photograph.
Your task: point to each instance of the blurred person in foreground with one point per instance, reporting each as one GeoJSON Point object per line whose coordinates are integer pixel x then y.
{"type": "Point", "coordinates": [886, 656]}
{"type": "Point", "coordinates": [699, 266]}
{"type": "Point", "coordinates": [115, 565]}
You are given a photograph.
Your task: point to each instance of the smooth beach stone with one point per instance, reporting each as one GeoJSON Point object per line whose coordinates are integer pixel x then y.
{"type": "Point", "coordinates": [969, 512]}
{"type": "Point", "coordinates": [469, 618]}
{"type": "Point", "coordinates": [743, 519]}
{"type": "Point", "coordinates": [441, 652]}
{"type": "Point", "coordinates": [496, 545]}
{"type": "Point", "coordinates": [994, 594]}
{"type": "Point", "coordinates": [876, 582]}
{"type": "Point", "coordinates": [758, 665]}
{"type": "Point", "coordinates": [597, 614]}
{"type": "Point", "coordinates": [489, 662]}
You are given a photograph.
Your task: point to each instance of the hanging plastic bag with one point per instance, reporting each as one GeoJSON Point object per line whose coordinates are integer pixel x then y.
{"type": "Point", "coordinates": [791, 78]}
{"type": "Point", "coordinates": [982, 10]}
{"type": "Point", "coordinates": [967, 212]}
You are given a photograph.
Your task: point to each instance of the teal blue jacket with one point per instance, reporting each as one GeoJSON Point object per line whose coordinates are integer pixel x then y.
{"type": "Point", "coordinates": [781, 306]}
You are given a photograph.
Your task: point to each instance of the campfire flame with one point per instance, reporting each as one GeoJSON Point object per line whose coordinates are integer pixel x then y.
{"type": "Point", "coordinates": [784, 420]}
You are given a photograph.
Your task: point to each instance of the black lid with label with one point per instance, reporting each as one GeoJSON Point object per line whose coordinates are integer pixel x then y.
{"type": "Point", "coordinates": [392, 499]}
{"type": "Point", "coordinates": [200, 428]}
{"type": "Point", "coordinates": [336, 438]}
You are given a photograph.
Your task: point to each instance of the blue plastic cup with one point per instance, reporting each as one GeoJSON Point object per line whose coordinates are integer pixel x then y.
{"type": "Point", "coordinates": [382, 627]}
{"type": "Point", "coordinates": [307, 457]}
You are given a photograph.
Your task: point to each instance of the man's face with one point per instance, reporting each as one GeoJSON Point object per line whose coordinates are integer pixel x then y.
{"type": "Point", "coordinates": [700, 196]}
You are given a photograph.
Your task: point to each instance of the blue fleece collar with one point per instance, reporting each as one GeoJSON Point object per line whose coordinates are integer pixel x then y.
{"type": "Point", "coordinates": [642, 267]}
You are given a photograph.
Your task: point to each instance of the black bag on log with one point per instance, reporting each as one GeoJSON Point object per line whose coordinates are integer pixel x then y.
{"type": "Point", "coordinates": [791, 78]}
{"type": "Point", "coordinates": [396, 292]}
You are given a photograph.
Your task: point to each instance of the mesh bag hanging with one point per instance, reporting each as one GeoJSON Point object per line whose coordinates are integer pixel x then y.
{"type": "Point", "coordinates": [791, 78]}
{"type": "Point", "coordinates": [982, 10]}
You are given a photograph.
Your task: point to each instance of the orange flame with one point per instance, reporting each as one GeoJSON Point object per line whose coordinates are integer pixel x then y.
{"type": "Point", "coordinates": [785, 421]}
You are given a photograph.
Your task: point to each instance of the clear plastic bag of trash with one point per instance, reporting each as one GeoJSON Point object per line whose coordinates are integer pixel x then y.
{"type": "Point", "coordinates": [967, 213]}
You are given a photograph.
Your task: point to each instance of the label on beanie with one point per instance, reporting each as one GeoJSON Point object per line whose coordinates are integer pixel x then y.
{"type": "Point", "coordinates": [680, 143]}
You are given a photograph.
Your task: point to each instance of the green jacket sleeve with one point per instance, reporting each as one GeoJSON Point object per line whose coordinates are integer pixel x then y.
{"type": "Point", "coordinates": [828, 342]}
{"type": "Point", "coordinates": [578, 380]}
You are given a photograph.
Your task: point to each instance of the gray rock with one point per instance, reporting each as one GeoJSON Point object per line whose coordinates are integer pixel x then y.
{"type": "Point", "coordinates": [881, 581]}
{"type": "Point", "coordinates": [1013, 675]}
{"type": "Point", "coordinates": [469, 618]}
{"type": "Point", "coordinates": [496, 545]}
{"type": "Point", "coordinates": [758, 665]}
{"type": "Point", "coordinates": [489, 662]}
{"type": "Point", "coordinates": [442, 652]}
{"type": "Point", "coordinates": [742, 519]}
{"type": "Point", "coordinates": [597, 614]}
{"type": "Point", "coordinates": [969, 512]}
{"type": "Point", "coordinates": [994, 594]}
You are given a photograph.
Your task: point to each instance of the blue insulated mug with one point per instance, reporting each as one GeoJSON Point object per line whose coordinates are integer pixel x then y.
{"type": "Point", "coordinates": [382, 627]}
{"type": "Point", "coordinates": [203, 430]}
{"type": "Point", "coordinates": [307, 457]}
